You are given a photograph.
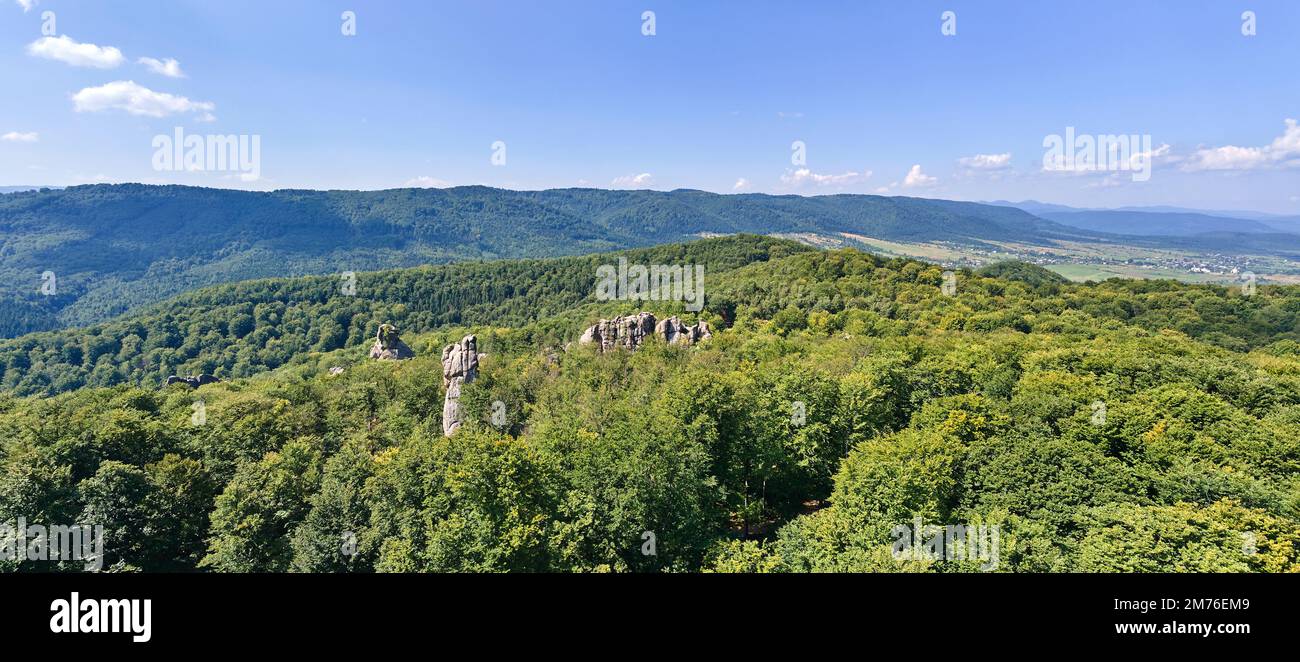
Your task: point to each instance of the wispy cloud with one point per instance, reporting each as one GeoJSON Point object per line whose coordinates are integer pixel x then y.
{"type": "Point", "coordinates": [741, 184]}
{"type": "Point", "coordinates": [1283, 151]}
{"type": "Point", "coordinates": [69, 51]}
{"type": "Point", "coordinates": [168, 67]}
{"type": "Point", "coordinates": [424, 181]}
{"type": "Point", "coordinates": [1163, 154]}
{"type": "Point", "coordinates": [98, 178]}
{"type": "Point", "coordinates": [137, 100]}
{"type": "Point", "coordinates": [804, 176]}
{"type": "Point", "coordinates": [986, 161]}
{"type": "Point", "coordinates": [16, 137]}
{"type": "Point", "coordinates": [1110, 180]}
{"type": "Point", "coordinates": [633, 181]}
{"type": "Point", "coordinates": [27, 5]}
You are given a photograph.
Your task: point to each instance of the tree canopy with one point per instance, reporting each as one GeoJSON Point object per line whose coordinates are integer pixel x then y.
{"type": "Point", "coordinates": [1121, 426]}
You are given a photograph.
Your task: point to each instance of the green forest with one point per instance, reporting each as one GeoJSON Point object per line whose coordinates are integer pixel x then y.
{"type": "Point", "coordinates": [1124, 426]}
{"type": "Point", "coordinates": [116, 249]}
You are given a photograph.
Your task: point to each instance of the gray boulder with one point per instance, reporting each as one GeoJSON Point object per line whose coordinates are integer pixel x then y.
{"type": "Point", "coordinates": [388, 345]}
{"type": "Point", "coordinates": [630, 331]}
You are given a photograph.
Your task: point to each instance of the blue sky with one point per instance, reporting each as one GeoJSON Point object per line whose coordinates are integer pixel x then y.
{"type": "Point", "coordinates": [713, 100]}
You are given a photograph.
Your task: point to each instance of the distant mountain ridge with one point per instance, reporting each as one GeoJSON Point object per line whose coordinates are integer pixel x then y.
{"type": "Point", "coordinates": [1159, 220]}
{"type": "Point", "coordinates": [85, 254]}
{"type": "Point", "coordinates": [1154, 224]}
{"type": "Point", "coordinates": [115, 248]}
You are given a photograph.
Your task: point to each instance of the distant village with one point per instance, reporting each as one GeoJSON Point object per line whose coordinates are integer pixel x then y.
{"type": "Point", "coordinates": [1213, 264]}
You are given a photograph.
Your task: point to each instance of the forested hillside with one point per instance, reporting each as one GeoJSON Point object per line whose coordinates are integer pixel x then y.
{"type": "Point", "coordinates": [242, 329]}
{"type": "Point", "coordinates": [115, 248]}
{"type": "Point", "coordinates": [1125, 426]}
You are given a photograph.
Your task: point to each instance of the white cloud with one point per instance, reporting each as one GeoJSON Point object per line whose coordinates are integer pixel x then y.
{"type": "Point", "coordinates": [69, 51]}
{"type": "Point", "coordinates": [806, 176]}
{"type": "Point", "coordinates": [15, 137]}
{"type": "Point", "coordinates": [1284, 150]}
{"type": "Point", "coordinates": [917, 179]}
{"type": "Point", "coordinates": [633, 181]}
{"type": "Point", "coordinates": [138, 100]}
{"type": "Point", "coordinates": [168, 67]}
{"type": "Point", "coordinates": [741, 184]}
{"type": "Point", "coordinates": [1229, 157]}
{"type": "Point", "coordinates": [425, 181]}
{"type": "Point", "coordinates": [986, 161]}
{"type": "Point", "coordinates": [27, 5]}
{"type": "Point", "coordinates": [794, 115]}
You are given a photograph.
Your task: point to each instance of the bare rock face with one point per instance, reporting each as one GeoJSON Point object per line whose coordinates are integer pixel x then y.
{"type": "Point", "coordinates": [459, 367]}
{"type": "Point", "coordinates": [672, 330]}
{"type": "Point", "coordinates": [700, 331]}
{"type": "Point", "coordinates": [389, 346]}
{"type": "Point", "coordinates": [629, 331]}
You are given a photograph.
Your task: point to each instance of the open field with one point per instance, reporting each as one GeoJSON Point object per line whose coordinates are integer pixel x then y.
{"type": "Point", "coordinates": [1082, 261]}
{"type": "Point", "coordinates": [1099, 272]}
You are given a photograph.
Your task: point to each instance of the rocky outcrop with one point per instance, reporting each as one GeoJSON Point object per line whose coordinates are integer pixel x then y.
{"type": "Point", "coordinates": [191, 381]}
{"type": "Point", "coordinates": [459, 367]}
{"type": "Point", "coordinates": [629, 331]}
{"type": "Point", "coordinates": [389, 346]}
{"type": "Point", "coordinates": [672, 330]}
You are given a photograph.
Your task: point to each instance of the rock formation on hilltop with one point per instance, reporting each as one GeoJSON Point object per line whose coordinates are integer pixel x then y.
{"type": "Point", "coordinates": [624, 331]}
{"type": "Point", "coordinates": [630, 331]}
{"type": "Point", "coordinates": [672, 330]}
{"type": "Point", "coordinates": [459, 367]}
{"type": "Point", "coordinates": [389, 346]}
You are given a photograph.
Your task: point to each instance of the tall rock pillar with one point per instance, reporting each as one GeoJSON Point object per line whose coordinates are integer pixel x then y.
{"type": "Point", "coordinates": [459, 367]}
